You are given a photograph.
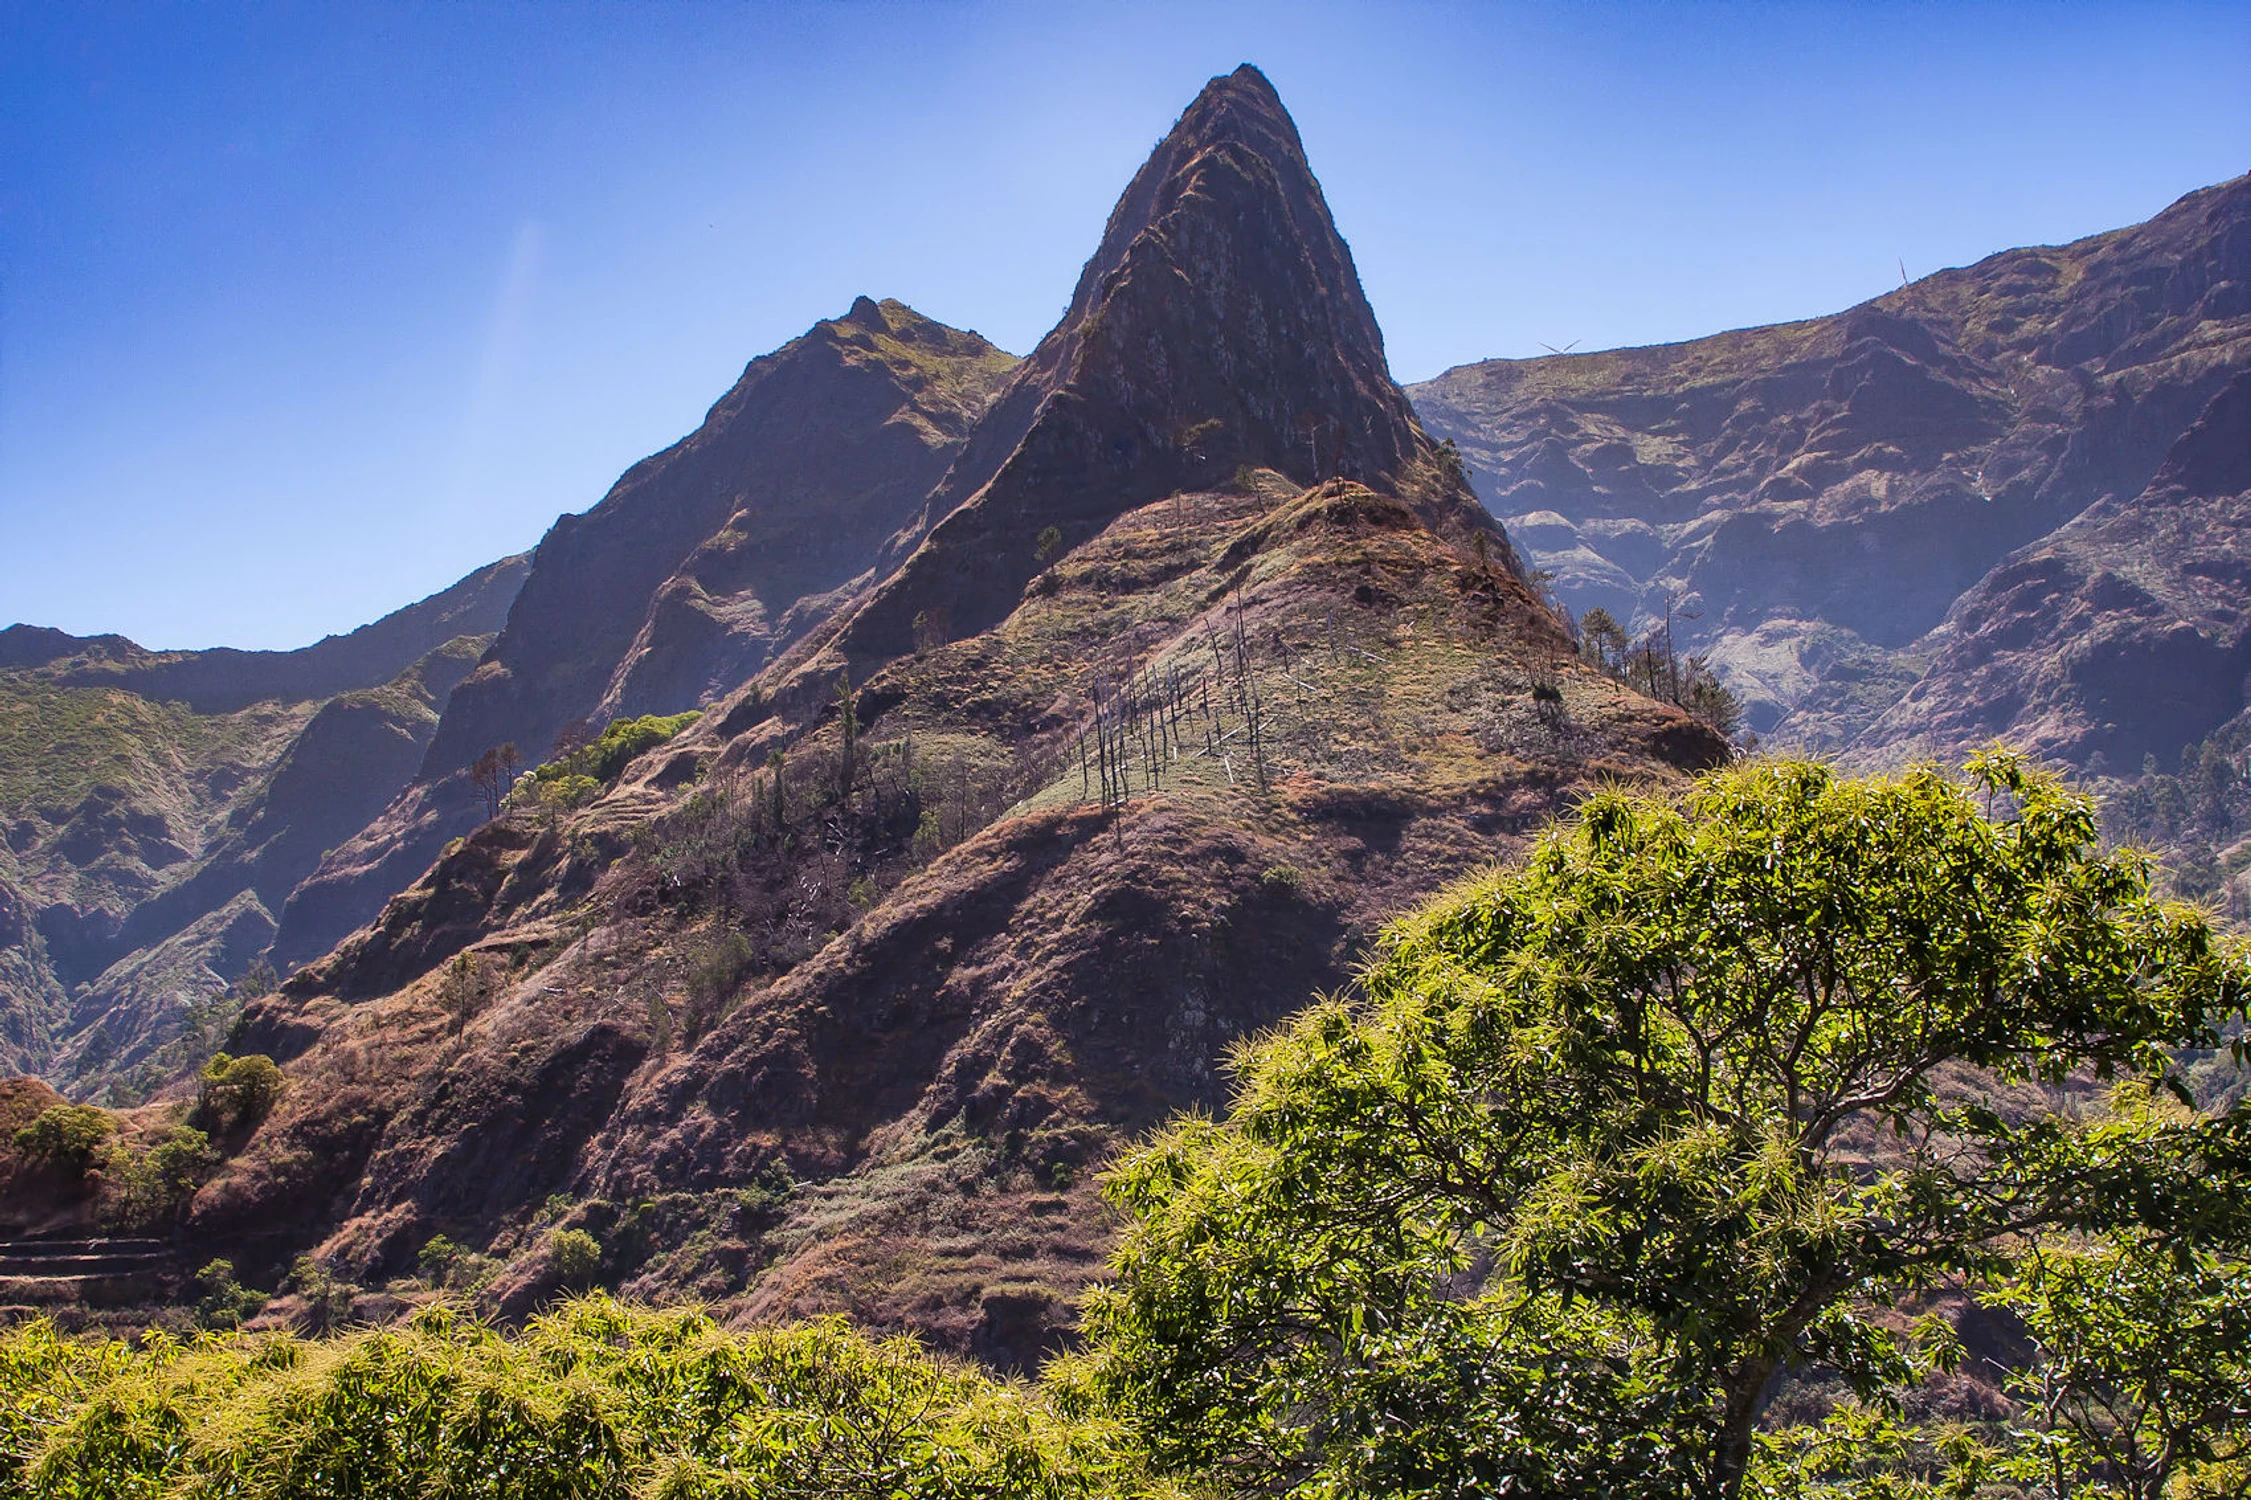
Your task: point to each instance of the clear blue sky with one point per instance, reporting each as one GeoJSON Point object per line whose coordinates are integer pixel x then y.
{"type": "Point", "coordinates": [306, 310]}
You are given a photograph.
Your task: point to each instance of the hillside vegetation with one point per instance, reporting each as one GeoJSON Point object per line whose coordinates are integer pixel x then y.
{"type": "Point", "coordinates": [1753, 1140]}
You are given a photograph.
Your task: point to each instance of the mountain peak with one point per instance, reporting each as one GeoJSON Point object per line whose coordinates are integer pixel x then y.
{"type": "Point", "coordinates": [1222, 246]}
{"type": "Point", "coordinates": [1220, 325]}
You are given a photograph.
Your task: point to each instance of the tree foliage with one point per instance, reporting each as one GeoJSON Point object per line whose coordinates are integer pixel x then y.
{"type": "Point", "coordinates": [1653, 665]}
{"type": "Point", "coordinates": [1611, 1138]}
{"type": "Point", "coordinates": [2142, 1370]}
{"type": "Point", "coordinates": [67, 1136]}
{"type": "Point", "coordinates": [584, 762]}
{"type": "Point", "coordinates": [236, 1091]}
{"type": "Point", "coordinates": [145, 1190]}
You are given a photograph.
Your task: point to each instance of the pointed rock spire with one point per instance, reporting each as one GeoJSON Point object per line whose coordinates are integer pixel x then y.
{"type": "Point", "coordinates": [1219, 324]}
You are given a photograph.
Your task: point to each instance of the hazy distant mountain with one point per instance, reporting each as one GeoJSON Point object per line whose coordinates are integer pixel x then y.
{"type": "Point", "coordinates": [1814, 498]}
{"type": "Point", "coordinates": [2123, 634]}
{"type": "Point", "coordinates": [159, 807]}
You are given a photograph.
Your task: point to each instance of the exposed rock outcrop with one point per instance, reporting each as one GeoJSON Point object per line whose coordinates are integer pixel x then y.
{"type": "Point", "coordinates": [1219, 326]}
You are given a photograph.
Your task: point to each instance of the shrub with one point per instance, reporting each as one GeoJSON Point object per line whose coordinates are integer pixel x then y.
{"type": "Point", "coordinates": [226, 1302]}
{"type": "Point", "coordinates": [715, 969]}
{"type": "Point", "coordinates": [237, 1091]}
{"type": "Point", "coordinates": [574, 1256]}
{"type": "Point", "coordinates": [591, 1400]}
{"type": "Point", "coordinates": [68, 1137]}
{"type": "Point", "coordinates": [147, 1189]}
{"type": "Point", "coordinates": [328, 1300]}
{"type": "Point", "coordinates": [584, 762]}
{"type": "Point", "coordinates": [465, 986]}
{"type": "Point", "coordinates": [437, 1259]}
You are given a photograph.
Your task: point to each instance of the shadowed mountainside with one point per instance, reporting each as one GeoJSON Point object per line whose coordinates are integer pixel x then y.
{"type": "Point", "coordinates": [2126, 633]}
{"type": "Point", "coordinates": [160, 806]}
{"type": "Point", "coordinates": [701, 564]}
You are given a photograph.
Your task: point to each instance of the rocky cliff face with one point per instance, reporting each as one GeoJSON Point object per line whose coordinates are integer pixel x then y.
{"type": "Point", "coordinates": [2126, 633]}
{"type": "Point", "coordinates": [701, 564]}
{"type": "Point", "coordinates": [837, 1000]}
{"type": "Point", "coordinates": [160, 806]}
{"type": "Point", "coordinates": [1814, 498]}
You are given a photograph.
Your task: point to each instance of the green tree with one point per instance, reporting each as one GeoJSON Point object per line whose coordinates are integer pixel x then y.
{"type": "Point", "coordinates": [236, 1091]}
{"type": "Point", "coordinates": [1603, 641]}
{"type": "Point", "coordinates": [574, 1256]}
{"type": "Point", "coordinates": [147, 1189]}
{"type": "Point", "coordinates": [1611, 1138]}
{"type": "Point", "coordinates": [463, 988]}
{"type": "Point", "coordinates": [257, 981]}
{"type": "Point", "coordinates": [225, 1301]}
{"type": "Point", "coordinates": [67, 1136]}
{"type": "Point", "coordinates": [2142, 1374]}
{"type": "Point", "coordinates": [327, 1301]}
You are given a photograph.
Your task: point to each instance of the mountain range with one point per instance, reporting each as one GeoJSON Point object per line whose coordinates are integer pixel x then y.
{"type": "Point", "coordinates": [1833, 510]}
{"type": "Point", "coordinates": [1063, 719]}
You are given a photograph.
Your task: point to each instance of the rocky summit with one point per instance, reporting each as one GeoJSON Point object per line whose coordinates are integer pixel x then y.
{"type": "Point", "coordinates": [1192, 660]}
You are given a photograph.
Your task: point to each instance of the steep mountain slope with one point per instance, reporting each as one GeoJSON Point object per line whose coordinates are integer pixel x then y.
{"type": "Point", "coordinates": [834, 1001]}
{"type": "Point", "coordinates": [1814, 497]}
{"type": "Point", "coordinates": [159, 806]}
{"type": "Point", "coordinates": [701, 564]}
{"type": "Point", "coordinates": [2126, 633]}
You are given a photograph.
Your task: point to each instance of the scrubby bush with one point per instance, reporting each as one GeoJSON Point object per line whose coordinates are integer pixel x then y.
{"type": "Point", "coordinates": [437, 1259]}
{"type": "Point", "coordinates": [145, 1190]}
{"type": "Point", "coordinates": [716, 966]}
{"type": "Point", "coordinates": [225, 1301]}
{"type": "Point", "coordinates": [592, 1402]}
{"type": "Point", "coordinates": [327, 1299]}
{"type": "Point", "coordinates": [465, 984]}
{"type": "Point", "coordinates": [67, 1137]}
{"type": "Point", "coordinates": [583, 764]}
{"type": "Point", "coordinates": [568, 792]}
{"type": "Point", "coordinates": [573, 1256]}
{"type": "Point", "coordinates": [236, 1091]}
